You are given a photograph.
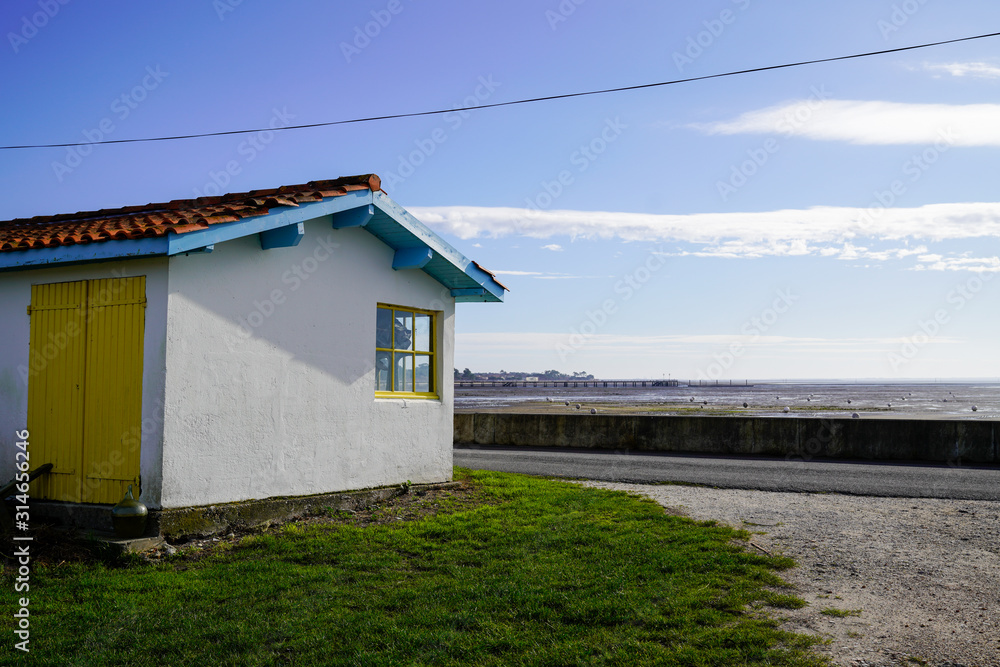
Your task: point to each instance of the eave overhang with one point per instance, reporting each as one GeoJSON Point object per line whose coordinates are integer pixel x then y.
{"type": "Point", "coordinates": [416, 246]}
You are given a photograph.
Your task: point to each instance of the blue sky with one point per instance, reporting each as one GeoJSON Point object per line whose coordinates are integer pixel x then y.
{"type": "Point", "coordinates": [837, 220]}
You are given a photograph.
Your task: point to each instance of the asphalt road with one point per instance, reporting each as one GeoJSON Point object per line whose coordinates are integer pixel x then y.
{"type": "Point", "coordinates": [908, 480]}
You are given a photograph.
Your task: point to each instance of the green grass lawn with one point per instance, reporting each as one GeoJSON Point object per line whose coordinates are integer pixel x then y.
{"type": "Point", "coordinates": [523, 571]}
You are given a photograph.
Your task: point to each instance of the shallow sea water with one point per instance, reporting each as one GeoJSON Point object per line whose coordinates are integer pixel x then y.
{"type": "Point", "coordinates": [896, 400]}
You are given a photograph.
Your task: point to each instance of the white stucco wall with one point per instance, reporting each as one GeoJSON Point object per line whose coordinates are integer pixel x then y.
{"type": "Point", "coordinates": [270, 372]}
{"type": "Point", "coordinates": [15, 296]}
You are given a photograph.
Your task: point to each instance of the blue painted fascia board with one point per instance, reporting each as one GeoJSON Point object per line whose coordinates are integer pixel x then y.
{"type": "Point", "coordinates": [439, 246]}
{"type": "Point", "coordinates": [287, 216]}
{"type": "Point", "coordinates": [83, 252]}
{"type": "Point", "coordinates": [486, 280]}
{"type": "Point", "coordinates": [176, 244]}
{"type": "Point", "coordinates": [420, 230]}
{"type": "Point", "coordinates": [471, 294]}
{"type": "Point", "coordinates": [481, 286]}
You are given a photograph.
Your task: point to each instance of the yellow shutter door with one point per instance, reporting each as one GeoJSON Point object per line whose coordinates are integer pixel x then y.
{"type": "Point", "coordinates": [85, 413]}
{"type": "Point", "coordinates": [112, 415]}
{"type": "Point", "coordinates": [56, 351]}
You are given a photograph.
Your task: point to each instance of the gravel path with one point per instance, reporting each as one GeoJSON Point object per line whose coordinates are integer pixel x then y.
{"type": "Point", "coordinates": [924, 573]}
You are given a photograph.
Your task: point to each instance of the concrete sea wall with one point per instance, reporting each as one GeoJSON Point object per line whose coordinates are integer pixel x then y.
{"type": "Point", "coordinates": [808, 437]}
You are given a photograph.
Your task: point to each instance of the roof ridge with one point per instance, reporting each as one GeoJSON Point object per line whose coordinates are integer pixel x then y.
{"type": "Point", "coordinates": [175, 216]}
{"type": "Point", "coordinates": [371, 181]}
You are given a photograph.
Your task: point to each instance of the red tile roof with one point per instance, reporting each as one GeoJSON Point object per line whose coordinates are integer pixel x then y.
{"type": "Point", "coordinates": [178, 216]}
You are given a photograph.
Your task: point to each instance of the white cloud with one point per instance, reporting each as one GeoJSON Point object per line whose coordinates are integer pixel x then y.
{"type": "Point", "coordinates": [977, 70]}
{"type": "Point", "coordinates": [557, 276]}
{"type": "Point", "coordinates": [870, 122]}
{"type": "Point", "coordinates": [934, 262]}
{"type": "Point", "coordinates": [824, 231]}
{"type": "Point", "coordinates": [554, 247]}
{"type": "Point", "coordinates": [782, 232]}
{"type": "Point", "coordinates": [851, 251]}
{"type": "Point", "coordinates": [538, 275]}
{"type": "Point", "coordinates": [847, 251]}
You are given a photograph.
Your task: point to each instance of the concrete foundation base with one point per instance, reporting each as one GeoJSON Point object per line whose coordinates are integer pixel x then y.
{"type": "Point", "coordinates": [120, 545]}
{"type": "Point", "coordinates": [191, 522]}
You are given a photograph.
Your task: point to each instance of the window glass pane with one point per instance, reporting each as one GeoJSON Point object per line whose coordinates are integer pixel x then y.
{"type": "Point", "coordinates": [382, 370]}
{"type": "Point", "coordinates": [383, 327]}
{"type": "Point", "coordinates": [422, 332]}
{"type": "Point", "coordinates": [404, 355]}
{"type": "Point", "coordinates": [402, 374]}
{"type": "Point", "coordinates": [403, 330]}
{"type": "Point", "coordinates": [423, 372]}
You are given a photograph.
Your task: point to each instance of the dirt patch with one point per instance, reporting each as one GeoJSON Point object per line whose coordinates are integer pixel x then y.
{"type": "Point", "coordinates": [889, 581]}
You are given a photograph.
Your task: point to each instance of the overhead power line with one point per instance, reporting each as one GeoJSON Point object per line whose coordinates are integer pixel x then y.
{"type": "Point", "coordinates": [512, 102]}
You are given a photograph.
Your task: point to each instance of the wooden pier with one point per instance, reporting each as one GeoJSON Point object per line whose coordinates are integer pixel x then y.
{"type": "Point", "coordinates": [475, 384]}
{"type": "Point", "coordinates": [584, 384]}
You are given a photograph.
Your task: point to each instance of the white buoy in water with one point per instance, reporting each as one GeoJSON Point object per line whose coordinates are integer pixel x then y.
{"type": "Point", "coordinates": [593, 411]}
{"type": "Point", "coordinates": [548, 400]}
{"type": "Point", "coordinates": [848, 401]}
{"type": "Point", "coordinates": [855, 415]}
{"type": "Point", "coordinates": [974, 408]}
{"type": "Point", "coordinates": [785, 409]}
{"type": "Point", "coordinates": [578, 406]}
{"type": "Point", "coordinates": [567, 402]}
{"type": "Point", "coordinates": [745, 405]}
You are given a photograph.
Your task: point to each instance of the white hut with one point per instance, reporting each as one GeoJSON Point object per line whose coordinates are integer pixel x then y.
{"type": "Point", "coordinates": [279, 342]}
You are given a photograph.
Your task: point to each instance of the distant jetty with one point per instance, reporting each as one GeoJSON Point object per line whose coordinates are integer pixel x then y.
{"type": "Point", "coordinates": [476, 384]}
{"type": "Point", "coordinates": [638, 384]}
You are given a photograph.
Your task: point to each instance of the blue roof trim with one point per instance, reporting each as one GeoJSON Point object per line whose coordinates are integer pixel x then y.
{"type": "Point", "coordinates": [420, 230]}
{"type": "Point", "coordinates": [83, 252]}
{"type": "Point", "coordinates": [475, 278]}
{"type": "Point", "coordinates": [286, 216]}
{"type": "Point", "coordinates": [420, 248]}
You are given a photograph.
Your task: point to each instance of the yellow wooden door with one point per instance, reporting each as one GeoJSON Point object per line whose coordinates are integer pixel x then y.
{"type": "Point", "coordinates": [85, 409]}
{"type": "Point", "coordinates": [56, 351]}
{"type": "Point", "coordinates": [112, 414]}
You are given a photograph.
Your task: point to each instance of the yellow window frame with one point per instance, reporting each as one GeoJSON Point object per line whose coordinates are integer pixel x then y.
{"type": "Point", "coordinates": [393, 350]}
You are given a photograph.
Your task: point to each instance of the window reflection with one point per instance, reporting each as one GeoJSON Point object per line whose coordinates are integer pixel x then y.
{"type": "Point", "coordinates": [403, 372]}
{"type": "Point", "coordinates": [404, 354]}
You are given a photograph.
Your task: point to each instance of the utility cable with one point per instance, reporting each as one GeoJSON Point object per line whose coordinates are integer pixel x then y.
{"type": "Point", "coordinates": [512, 102]}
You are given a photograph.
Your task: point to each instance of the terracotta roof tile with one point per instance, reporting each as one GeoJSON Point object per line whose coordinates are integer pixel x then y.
{"type": "Point", "coordinates": [176, 217]}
